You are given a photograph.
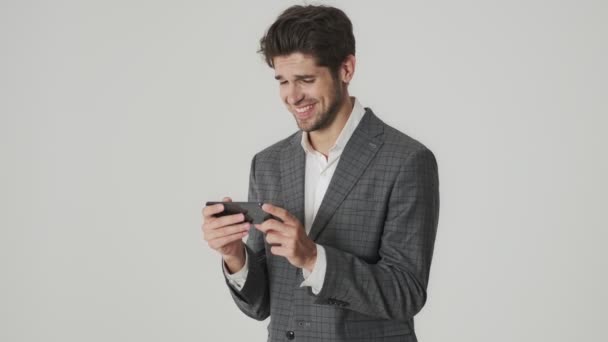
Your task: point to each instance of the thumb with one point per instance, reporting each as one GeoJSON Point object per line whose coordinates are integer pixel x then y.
{"type": "Point", "coordinates": [226, 199]}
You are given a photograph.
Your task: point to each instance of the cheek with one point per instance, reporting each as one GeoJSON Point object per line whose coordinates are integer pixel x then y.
{"type": "Point", "coordinates": [324, 92]}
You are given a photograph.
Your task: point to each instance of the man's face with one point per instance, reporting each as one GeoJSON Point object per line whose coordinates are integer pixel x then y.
{"type": "Point", "coordinates": [309, 91]}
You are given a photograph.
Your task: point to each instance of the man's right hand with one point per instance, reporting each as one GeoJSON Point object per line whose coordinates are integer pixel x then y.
{"type": "Point", "coordinates": [224, 234]}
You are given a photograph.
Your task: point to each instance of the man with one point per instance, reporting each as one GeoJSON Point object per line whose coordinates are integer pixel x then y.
{"type": "Point", "coordinates": [357, 200]}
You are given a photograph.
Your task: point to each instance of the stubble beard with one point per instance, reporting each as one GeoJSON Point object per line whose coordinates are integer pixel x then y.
{"type": "Point", "coordinates": [325, 119]}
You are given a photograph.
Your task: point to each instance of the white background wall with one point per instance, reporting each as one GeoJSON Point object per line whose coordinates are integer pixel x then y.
{"type": "Point", "coordinates": [119, 119]}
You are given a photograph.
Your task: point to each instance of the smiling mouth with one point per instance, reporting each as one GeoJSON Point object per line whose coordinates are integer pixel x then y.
{"type": "Point", "coordinates": [303, 109]}
{"type": "Point", "coordinates": [304, 112]}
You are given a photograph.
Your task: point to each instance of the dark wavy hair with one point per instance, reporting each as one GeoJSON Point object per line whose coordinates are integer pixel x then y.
{"type": "Point", "coordinates": [323, 32]}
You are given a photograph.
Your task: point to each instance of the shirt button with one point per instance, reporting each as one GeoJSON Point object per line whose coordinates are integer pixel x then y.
{"type": "Point", "coordinates": [290, 335]}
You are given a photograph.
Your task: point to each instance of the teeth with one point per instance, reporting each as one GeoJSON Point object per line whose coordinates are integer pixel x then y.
{"type": "Point", "coordinates": [303, 109]}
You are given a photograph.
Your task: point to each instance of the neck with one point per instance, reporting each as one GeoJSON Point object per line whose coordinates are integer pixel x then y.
{"type": "Point", "coordinates": [322, 140]}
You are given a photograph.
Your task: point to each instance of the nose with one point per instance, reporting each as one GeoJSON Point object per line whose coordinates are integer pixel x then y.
{"type": "Point", "coordinates": [294, 95]}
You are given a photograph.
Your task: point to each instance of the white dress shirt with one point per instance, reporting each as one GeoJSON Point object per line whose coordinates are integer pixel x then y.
{"type": "Point", "coordinates": [319, 171]}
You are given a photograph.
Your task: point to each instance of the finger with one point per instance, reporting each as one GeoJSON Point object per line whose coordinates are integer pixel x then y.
{"type": "Point", "coordinates": [223, 221]}
{"type": "Point", "coordinates": [216, 208]}
{"type": "Point", "coordinates": [211, 210]}
{"type": "Point", "coordinates": [279, 212]}
{"type": "Point", "coordinates": [223, 241]}
{"type": "Point", "coordinates": [226, 231]}
{"type": "Point", "coordinates": [274, 238]}
{"type": "Point", "coordinates": [274, 225]}
{"type": "Point", "coordinates": [278, 250]}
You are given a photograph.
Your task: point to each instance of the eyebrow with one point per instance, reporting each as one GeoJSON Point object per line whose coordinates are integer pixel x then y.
{"type": "Point", "coordinates": [297, 77]}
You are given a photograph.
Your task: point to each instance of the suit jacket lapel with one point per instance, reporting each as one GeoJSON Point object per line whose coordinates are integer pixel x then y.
{"type": "Point", "coordinates": [358, 153]}
{"type": "Point", "coordinates": [293, 159]}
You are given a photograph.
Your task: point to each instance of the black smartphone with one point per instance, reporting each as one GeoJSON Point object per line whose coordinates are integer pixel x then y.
{"type": "Point", "coordinates": [252, 210]}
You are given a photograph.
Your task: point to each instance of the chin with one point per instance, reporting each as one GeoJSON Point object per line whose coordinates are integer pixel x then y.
{"type": "Point", "coordinates": [305, 128]}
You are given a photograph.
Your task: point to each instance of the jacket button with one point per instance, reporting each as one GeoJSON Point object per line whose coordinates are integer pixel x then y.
{"type": "Point", "coordinates": [290, 335]}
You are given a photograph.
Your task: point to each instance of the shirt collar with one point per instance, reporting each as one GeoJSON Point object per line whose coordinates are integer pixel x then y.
{"type": "Point", "coordinates": [347, 131]}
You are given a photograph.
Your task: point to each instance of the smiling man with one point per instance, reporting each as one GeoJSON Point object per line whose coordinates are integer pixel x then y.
{"type": "Point", "coordinates": [357, 202]}
{"type": "Point", "coordinates": [315, 95]}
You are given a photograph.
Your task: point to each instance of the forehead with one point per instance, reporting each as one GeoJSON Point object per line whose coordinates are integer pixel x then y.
{"type": "Point", "coordinates": [296, 63]}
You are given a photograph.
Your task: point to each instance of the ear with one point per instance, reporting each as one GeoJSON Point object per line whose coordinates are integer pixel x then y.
{"type": "Point", "coordinates": [347, 69]}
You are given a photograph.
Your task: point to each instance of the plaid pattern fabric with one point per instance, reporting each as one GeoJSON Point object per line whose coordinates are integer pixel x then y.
{"type": "Point", "coordinates": [377, 222]}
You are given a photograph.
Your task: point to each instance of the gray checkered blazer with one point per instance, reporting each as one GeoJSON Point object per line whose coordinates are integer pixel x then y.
{"type": "Point", "coordinates": [377, 222]}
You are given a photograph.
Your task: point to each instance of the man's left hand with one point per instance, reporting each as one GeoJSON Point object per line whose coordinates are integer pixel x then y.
{"type": "Point", "coordinates": [289, 238]}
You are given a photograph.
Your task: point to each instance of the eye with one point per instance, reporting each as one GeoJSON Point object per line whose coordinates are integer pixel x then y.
{"type": "Point", "coordinates": [282, 82]}
{"type": "Point", "coordinates": [308, 80]}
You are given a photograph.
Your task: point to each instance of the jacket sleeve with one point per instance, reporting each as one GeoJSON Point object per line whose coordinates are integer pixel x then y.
{"type": "Point", "coordinates": [254, 299]}
{"type": "Point", "coordinates": [395, 286]}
